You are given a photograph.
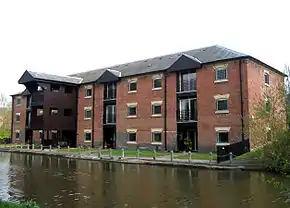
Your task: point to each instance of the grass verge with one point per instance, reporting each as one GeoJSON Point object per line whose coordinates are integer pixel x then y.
{"type": "Point", "coordinates": [253, 155]}
{"type": "Point", "coordinates": [28, 204]}
{"type": "Point", "coordinates": [197, 156]}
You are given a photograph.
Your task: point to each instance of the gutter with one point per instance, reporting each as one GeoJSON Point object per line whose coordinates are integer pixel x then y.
{"type": "Point", "coordinates": [242, 101]}
{"type": "Point", "coordinates": [165, 110]}
{"type": "Point", "coordinates": [93, 116]}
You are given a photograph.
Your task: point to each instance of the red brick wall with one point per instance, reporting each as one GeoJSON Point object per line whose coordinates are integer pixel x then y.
{"type": "Point", "coordinates": [19, 125]}
{"type": "Point", "coordinates": [98, 110]}
{"type": "Point", "coordinates": [143, 97]}
{"type": "Point", "coordinates": [207, 118]}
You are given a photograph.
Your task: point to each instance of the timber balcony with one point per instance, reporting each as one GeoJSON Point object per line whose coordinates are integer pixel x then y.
{"type": "Point", "coordinates": [186, 116]}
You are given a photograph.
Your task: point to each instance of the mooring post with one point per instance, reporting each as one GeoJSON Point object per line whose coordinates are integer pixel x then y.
{"type": "Point", "coordinates": [189, 157]}
{"type": "Point", "coordinates": [210, 157]}
{"type": "Point", "coordinates": [154, 154]}
{"type": "Point", "coordinates": [50, 148]}
{"type": "Point", "coordinates": [68, 148]}
{"type": "Point", "coordinates": [99, 153]}
{"type": "Point", "coordinates": [41, 147]}
{"type": "Point", "coordinates": [171, 155]}
{"type": "Point", "coordinates": [21, 147]}
{"type": "Point", "coordinates": [58, 147]}
{"type": "Point", "coordinates": [123, 153]}
{"type": "Point", "coordinates": [33, 146]}
{"type": "Point", "coordinates": [138, 153]}
{"type": "Point", "coordinates": [110, 153]}
{"type": "Point", "coordinates": [231, 157]}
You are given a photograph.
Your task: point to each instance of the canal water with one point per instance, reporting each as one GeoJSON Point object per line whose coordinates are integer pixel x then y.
{"type": "Point", "coordinates": [59, 182]}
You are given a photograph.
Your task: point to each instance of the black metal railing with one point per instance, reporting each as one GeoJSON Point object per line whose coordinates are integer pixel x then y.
{"type": "Point", "coordinates": [186, 115]}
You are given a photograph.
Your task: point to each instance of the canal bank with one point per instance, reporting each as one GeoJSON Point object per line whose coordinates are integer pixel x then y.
{"type": "Point", "coordinates": [166, 160]}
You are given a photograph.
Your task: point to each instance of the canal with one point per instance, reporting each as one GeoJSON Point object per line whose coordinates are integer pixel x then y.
{"type": "Point", "coordinates": [59, 182]}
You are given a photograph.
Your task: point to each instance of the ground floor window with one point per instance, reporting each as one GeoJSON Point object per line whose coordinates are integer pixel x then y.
{"type": "Point", "coordinates": [132, 135]}
{"type": "Point", "coordinates": [156, 135]}
{"type": "Point", "coordinates": [222, 137]}
{"type": "Point", "coordinates": [88, 135]}
{"type": "Point", "coordinates": [17, 134]}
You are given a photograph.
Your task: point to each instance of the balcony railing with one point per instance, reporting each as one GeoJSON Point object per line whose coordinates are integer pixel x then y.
{"type": "Point", "coordinates": [186, 116]}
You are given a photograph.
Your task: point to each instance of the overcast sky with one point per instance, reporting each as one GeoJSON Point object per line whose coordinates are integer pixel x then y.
{"type": "Point", "coordinates": [66, 36]}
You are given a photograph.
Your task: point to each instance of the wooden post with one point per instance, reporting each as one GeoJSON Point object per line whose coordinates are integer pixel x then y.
{"type": "Point", "coordinates": [171, 155]}
{"type": "Point", "coordinates": [154, 154]}
{"type": "Point", "coordinates": [58, 147]}
{"type": "Point", "coordinates": [231, 157]}
{"type": "Point", "coordinates": [41, 147]}
{"type": "Point", "coordinates": [123, 153]}
{"type": "Point", "coordinates": [138, 153]}
{"type": "Point", "coordinates": [189, 157]}
{"type": "Point", "coordinates": [33, 146]}
{"type": "Point", "coordinates": [210, 157]}
{"type": "Point", "coordinates": [28, 146]}
{"type": "Point", "coordinates": [99, 153]}
{"type": "Point", "coordinates": [68, 148]}
{"type": "Point", "coordinates": [111, 153]}
{"type": "Point", "coordinates": [50, 148]}
{"type": "Point", "coordinates": [21, 147]}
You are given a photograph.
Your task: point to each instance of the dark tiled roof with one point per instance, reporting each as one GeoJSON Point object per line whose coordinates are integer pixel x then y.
{"type": "Point", "coordinates": [50, 77]}
{"type": "Point", "coordinates": [203, 55]}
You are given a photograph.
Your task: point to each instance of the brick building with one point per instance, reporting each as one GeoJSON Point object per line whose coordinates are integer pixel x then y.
{"type": "Point", "coordinates": [200, 98]}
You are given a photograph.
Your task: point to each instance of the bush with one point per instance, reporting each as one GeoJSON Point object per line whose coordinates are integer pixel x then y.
{"type": "Point", "coordinates": [28, 204]}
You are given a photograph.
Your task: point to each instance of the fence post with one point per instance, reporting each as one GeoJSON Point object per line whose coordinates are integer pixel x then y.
{"type": "Point", "coordinates": [27, 147]}
{"type": "Point", "coordinates": [189, 156]}
{"type": "Point", "coordinates": [138, 153]}
{"type": "Point", "coordinates": [110, 153]}
{"type": "Point", "coordinates": [41, 147]}
{"type": "Point", "coordinates": [99, 153]}
{"type": "Point", "coordinates": [231, 157]}
{"type": "Point", "coordinates": [123, 153]}
{"type": "Point", "coordinates": [50, 148]}
{"type": "Point", "coordinates": [58, 147]}
{"type": "Point", "coordinates": [68, 148]}
{"type": "Point", "coordinates": [33, 146]}
{"type": "Point", "coordinates": [171, 155]}
{"type": "Point", "coordinates": [21, 147]}
{"type": "Point", "coordinates": [210, 157]}
{"type": "Point", "coordinates": [154, 154]}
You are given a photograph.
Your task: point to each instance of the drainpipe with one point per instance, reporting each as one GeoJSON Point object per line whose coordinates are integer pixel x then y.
{"type": "Point", "coordinates": [93, 116]}
{"type": "Point", "coordinates": [12, 119]}
{"type": "Point", "coordinates": [242, 101]}
{"type": "Point", "coordinates": [165, 110]}
{"type": "Point", "coordinates": [76, 115]}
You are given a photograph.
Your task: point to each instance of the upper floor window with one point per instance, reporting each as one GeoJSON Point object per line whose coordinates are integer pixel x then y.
{"type": "Point", "coordinates": [156, 108]}
{"type": "Point", "coordinates": [18, 100]}
{"type": "Point", "coordinates": [53, 111]}
{"type": "Point", "coordinates": [187, 110]}
{"type": "Point", "coordinates": [132, 86]}
{"type": "Point", "coordinates": [17, 117]}
{"type": "Point", "coordinates": [54, 87]}
{"type": "Point", "coordinates": [157, 83]}
{"type": "Point", "coordinates": [39, 89]}
{"type": "Point", "coordinates": [110, 91]}
{"type": "Point", "coordinates": [68, 90]}
{"type": "Point", "coordinates": [132, 109]}
{"type": "Point", "coordinates": [68, 112]}
{"type": "Point", "coordinates": [88, 92]}
{"type": "Point", "coordinates": [39, 112]}
{"type": "Point", "coordinates": [266, 76]}
{"type": "Point", "coordinates": [221, 74]}
{"type": "Point", "coordinates": [110, 114]}
{"type": "Point", "coordinates": [222, 105]}
{"type": "Point", "coordinates": [87, 135]}
{"type": "Point", "coordinates": [187, 82]}
{"type": "Point", "coordinates": [88, 113]}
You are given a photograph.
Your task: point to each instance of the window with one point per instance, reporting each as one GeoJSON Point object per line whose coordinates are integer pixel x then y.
{"type": "Point", "coordinates": [221, 74]}
{"type": "Point", "coordinates": [68, 90]}
{"type": "Point", "coordinates": [157, 83]}
{"type": "Point", "coordinates": [156, 108]}
{"type": "Point", "coordinates": [54, 135]}
{"type": "Point", "coordinates": [53, 111]}
{"type": "Point", "coordinates": [156, 136]}
{"type": "Point", "coordinates": [88, 113]}
{"type": "Point", "coordinates": [187, 110]}
{"type": "Point", "coordinates": [132, 85]}
{"type": "Point", "coordinates": [17, 134]}
{"type": "Point", "coordinates": [18, 100]}
{"type": "Point", "coordinates": [110, 91]}
{"type": "Point", "coordinates": [110, 114]}
{"type": "Point", "coordinates": [39, 89]}
{"type": "Point", "coordinates": [132, 135]}
{"type": "Point", "coordinates": [222, 137]}
{"type": "Point", "coordinates": [88, 92]}
{"type": "Point", "coordinates": [132, 110]}
{"type": "Point", "coordinates": [54, 87]}
{"type": "Point", "coordinates": [67, 112]}
{"type": "Point", "coordinates": [87, 135]}
{"type": "Point", "coordinates": [41, 135]}
{"type": "Point", "coordinates": [39, 112]}
{"type": "Point", "coordinates": [267, 104]}
{"type": "Point", "coordinates": [17, 117]}
{"type": "Point", "coordinates": [222, 105]}
{"type": "Point", "coordinates": [187, 82]}
{"type": "Point", "coordinates": [266, 75]}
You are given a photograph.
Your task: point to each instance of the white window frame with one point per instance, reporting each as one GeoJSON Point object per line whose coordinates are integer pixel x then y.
{"type": "Point", "coordinates": [18, 98]}
{"type": "Point", "coordinates": [17, 114]}
{"type": "Point", "coordinates": [154, 131]}
{"type": "Point", "coordinates": [129, 83]}
{"type": "Point", "coordinates": [267, 72]}
{"type": "Point", "coordinates": [156, 78]}
{"type": "Point", "coordinates": [221, 80]}
{"type": "Point", "coordinates": [85, 110]}
{"type": "Point", "coordinates": [87, 131]}
{"type": "Point", "coordinates": [131, 105]}
{"type": "Point", "coordinates": [89, 87]}
{"type": "Point", "coordinates": [222, 130]}
{"type": "Point", "coordinates": [220, 98]}
{"type": "Point", "coordinates": [156, 103]}
{"type": "Point", "coordinates": [130, 131]}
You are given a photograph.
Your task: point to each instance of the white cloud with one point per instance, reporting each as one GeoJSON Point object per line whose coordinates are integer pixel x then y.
{"type": "Point", "coordinates": [64, 37]}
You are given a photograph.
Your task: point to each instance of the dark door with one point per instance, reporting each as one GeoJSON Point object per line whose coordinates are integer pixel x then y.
{"type": "Point", "coordinates": [110, 137]}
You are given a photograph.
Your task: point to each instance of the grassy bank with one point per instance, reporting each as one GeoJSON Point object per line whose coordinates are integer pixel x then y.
{"type": "Point", "coordinates": [20, 205]}
{"type": "Point", "coordinates": [253, 155]}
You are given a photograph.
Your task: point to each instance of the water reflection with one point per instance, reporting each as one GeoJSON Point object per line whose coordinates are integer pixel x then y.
{"type": "Point", "coordinates": [59, 182]}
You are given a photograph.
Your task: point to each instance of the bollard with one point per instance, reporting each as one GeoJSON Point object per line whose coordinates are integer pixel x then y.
{"type": "Point", "coordinates": [111, 153]}
{"type": "Point", "coordinates": [210, 157]}
{"type": "Point", "coordinates": [58, 147]}
{"type": "Point", "coordinates": [50, 148]}
{"type": "Point", "coordinates": [41, 147]}
{"type": "Point", "coordinates": [21, 147]}
{"type": "Point", "coordinates": [28, 146]}
{"type": "Point", "coordinates": [123, 153]}
{"type": "Point", "coordinates": [99, 153]}
{"type": "Point", "coordinates": [138, 153]}
{"type": "Point", "coordinates": [231, 157]}
{"type": "Point", "coordinates": [154, 154]}
{"type": "Point", "coordinates": [68, 148]}
{"type": "Point", "coordinates": [189, 157]}
{"type": "Point", "coordinates": [32, 146]}
{"type": "Point", "coordinates": [171, 155]}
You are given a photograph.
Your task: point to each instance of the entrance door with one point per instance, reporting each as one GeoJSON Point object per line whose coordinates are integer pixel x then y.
{"type": "Point", "coordinates": [190, 140]}
{"type": "Point", "coordinates": [110, 137]}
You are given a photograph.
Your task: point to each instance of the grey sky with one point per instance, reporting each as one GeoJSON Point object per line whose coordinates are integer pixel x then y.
{"type": "Point", "coordinates": [67, 36]}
